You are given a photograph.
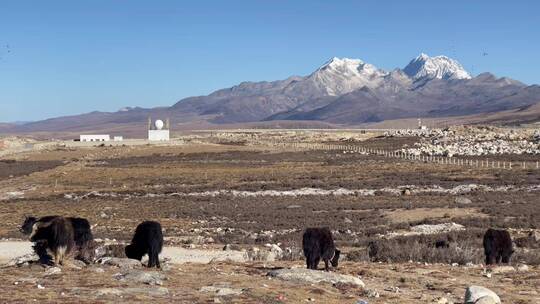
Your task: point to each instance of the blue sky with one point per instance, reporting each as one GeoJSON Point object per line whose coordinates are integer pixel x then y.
{"type": "Point", "coordinates": [70, 57]}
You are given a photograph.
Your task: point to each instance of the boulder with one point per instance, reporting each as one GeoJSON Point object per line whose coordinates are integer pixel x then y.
{"type": "Point", "coordinates": [314, 276]}
{"type": "Point", "coordinates": [475, 293]}
{"type": "Point", "coordinates": [485, 300]}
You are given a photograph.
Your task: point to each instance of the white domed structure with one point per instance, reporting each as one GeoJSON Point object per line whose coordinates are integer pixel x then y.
{"type": "Point", "coordinates": [158, 131]}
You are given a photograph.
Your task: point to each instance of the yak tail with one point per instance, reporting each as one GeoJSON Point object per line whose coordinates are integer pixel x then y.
{"type": "Point", "coordinates": [61, 241]}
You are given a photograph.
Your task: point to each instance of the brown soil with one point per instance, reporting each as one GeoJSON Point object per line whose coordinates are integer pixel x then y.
{"type": "Point", "coordinates": [12, 168]}
{"type": "Point", "coordinates": [132, 173]}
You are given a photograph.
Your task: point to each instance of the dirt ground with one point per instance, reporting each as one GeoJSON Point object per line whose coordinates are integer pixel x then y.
{"type": "Point", "coordinates": [190, 190]}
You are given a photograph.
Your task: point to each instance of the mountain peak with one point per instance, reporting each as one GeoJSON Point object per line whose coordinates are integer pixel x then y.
{"type": "Point", "coordinates": [342, 75]}
{"type": "Point", "coordinates": [440, 67]}
{"type": "Point", "coordinates": [336, 62]}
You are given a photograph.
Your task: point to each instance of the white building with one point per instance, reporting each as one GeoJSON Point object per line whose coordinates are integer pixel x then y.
{"type": "Point", "coordinates": [95, 137]}
{"type": "Point", "coordinates": [156, 131]}
{"type": "Point", "coordinates": [118, 138]}
{"type": "Point", "coordinates": [157, 135]}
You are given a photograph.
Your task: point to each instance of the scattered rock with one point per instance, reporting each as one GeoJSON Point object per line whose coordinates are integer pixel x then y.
{"type": "Point", "coordinates": [76, 264]}
{"type": "Point", "coordinates": [294, 206]}
{"type": "Point", "coordinates": [98, 270]}
{"type": "Point", "coordinates": [276, 250]}
{"type": "Point", "coordinates": [255, 254]}
{"type": "Point", "coordinates": [536, 236]}
{"type": "Point", "coordinates": [441, 300]}
{"type": "Point", "coordinates": [52, 271]}
{"type": "Point", "coordinates": [314, 276]}
{"type": "Point", "coordinates": [230, 247]}
{"type": "Point", "coordinates": [109, 292]}
{"type": "Point", "coordinates": [522, 268]}
{"type": "Point", "coordinates": [371, 293]}
{"type": "Point", "coordinates": [393, 289]}
{"type": "Point", "coordinates": [502, 269]}
{"type": "Point", "coordinates": [428, 229]}
{"type": "Point", "coordinates": [221, 291]}
{"type": "Point", "coordinates": [475, 293]}
{"type": "Point", "coordinates": [462, 200]}
{"type": "Point", "coordinates": [471, 141]}
{"type": "Point", "coordinates": [155, 291]}
{"type": "Point", "coordinates": [121, 262]}
{"type": "Point", "coordinates": [140, 276]}
{"type": "Point", "coordinates": [23, 260]}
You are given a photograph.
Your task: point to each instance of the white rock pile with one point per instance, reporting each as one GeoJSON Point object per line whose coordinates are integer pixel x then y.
{"type": "Point", "coordinates": [472, 141]}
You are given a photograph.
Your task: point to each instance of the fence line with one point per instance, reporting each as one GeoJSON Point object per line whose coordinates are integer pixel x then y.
{"type": "Point", "coordinates": [442, 160]}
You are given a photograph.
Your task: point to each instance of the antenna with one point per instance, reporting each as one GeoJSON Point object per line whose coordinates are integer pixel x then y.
{"type": "Point", "coordinates": [167, 124]}
{"type": "Point", "coordinates": [149, 123]}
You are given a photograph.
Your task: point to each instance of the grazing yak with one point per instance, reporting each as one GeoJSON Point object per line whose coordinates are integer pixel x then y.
{"type": "Point", "coordinates": [318, 244]}
{"type": "Point", "coordinates": [53, 238]}
{"type": "Point", "coordinates": [82, 234]}
{"type": "Point", "coordinates": [148, 239]}
{"type": "Point", "coordinates": [497, 246]}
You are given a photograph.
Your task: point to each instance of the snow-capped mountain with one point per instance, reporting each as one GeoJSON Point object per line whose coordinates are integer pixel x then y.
{"type": "Point", "coordinates": [343, 75]}
{"type": "Point", "coordinates": [343, 91]}
{"type": "Point", "coordinates": [440, 67]}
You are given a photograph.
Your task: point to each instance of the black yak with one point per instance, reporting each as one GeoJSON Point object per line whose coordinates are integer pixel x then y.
{"type": "Point", "coordinates": [497, 246]}
{"type": "Point", "coordinates": [82, 233]}
{"type": "Point", "coordinates": [148, 239]}
{"type": "Point", "coordinates": [442, 244]}
{"type": "Point", "coordinates": [54, 238]}
{"type": "Point", "coordinates": [318, 244]}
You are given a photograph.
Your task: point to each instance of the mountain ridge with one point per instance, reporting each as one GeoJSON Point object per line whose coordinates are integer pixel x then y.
{"type": "Point", "coordinates": [342, 91]}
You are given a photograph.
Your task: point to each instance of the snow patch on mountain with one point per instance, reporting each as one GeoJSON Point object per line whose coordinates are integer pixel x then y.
{"type": "Point", "coordinates": [440, 67]}
{"type": "Point", "coordinates": [343, 75]}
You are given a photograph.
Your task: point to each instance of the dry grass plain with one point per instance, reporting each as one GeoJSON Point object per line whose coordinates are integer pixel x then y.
{"type": "Point", "coordinates": [117, 187]}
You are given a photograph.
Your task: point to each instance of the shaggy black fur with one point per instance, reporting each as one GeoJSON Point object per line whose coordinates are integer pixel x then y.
{"type": "Point", "coordinates": [148, 239]}
{"type": "Point", "coordinates": [318, 244]}
{"type": "Point", "coordinates": [81, 230]}
{"type": "Point", "coordinates": [81, 227]}
{"type": "Point", "coordinates": [497, 246]}
{"type": "Point", "coordinates": [54, 237]}
{"type": "Point", "coordinates": [442, 244]}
